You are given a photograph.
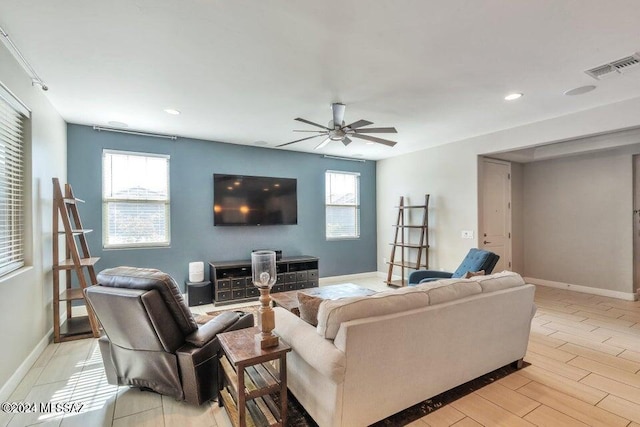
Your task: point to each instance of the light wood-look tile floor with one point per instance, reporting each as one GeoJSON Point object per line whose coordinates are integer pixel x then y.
{"type": "Point", "coordinates": [584, 356]}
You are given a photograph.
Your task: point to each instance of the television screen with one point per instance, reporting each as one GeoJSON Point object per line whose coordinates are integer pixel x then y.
{"type": "Point", "coordinates": [254, 200]}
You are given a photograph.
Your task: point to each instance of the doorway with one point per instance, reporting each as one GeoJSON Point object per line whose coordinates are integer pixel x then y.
{"type": "Point", "coordinates": [494, 198]}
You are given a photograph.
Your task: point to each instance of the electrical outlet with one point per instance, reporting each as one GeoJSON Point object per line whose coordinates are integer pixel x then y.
{"type": "Point", "coordinates": [467, 234]}
{"type": "Point", "coordinates": [384, 260]}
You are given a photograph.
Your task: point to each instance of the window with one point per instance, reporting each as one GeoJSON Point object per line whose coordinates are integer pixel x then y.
{"type": "Point", "coordinates": [135, 199]}
{"type": "Point", "coordinates": [342, 202]}
{"type": "Point", "coordinates": [12, 213]}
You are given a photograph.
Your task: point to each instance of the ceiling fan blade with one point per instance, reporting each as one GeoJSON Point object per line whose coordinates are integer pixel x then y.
{"type": "Point", "coordinates": [297, 140]}
{"type": "Point", "coordinates": [377, 130]}
{"type": "Point", "coordinates": [318, 131]}
{"type": "Point", "coordinates": [346, 141]}
{"type": "Point", "coordinates": [338, 114]}
{"type": "Point", "coordinates": [374, 139]}
{"type": "Point", "coordinates": [311, 123]}
{"type": "Point", "coordinates": [322, 144]}
{"type": "Point", "coordinates": [358, 124]}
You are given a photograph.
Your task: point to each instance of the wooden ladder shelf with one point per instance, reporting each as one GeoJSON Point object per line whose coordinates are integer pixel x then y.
{"type": "Point", "coordinates": [65, 210]}
{"type": "Point", "coordinates": [401, 240]}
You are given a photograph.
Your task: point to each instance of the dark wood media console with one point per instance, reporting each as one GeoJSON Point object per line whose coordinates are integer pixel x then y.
{"type": "Point", "coordinates": [232, 281]}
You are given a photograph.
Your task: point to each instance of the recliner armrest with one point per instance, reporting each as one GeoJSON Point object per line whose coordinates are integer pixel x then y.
{"type": "Point", "coordinates": [417, 276]}
{"type": "Point", "coordinates": [209, 330]}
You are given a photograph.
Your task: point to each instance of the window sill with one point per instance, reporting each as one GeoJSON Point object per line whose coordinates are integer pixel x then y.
{"type": "Point", "coordinates": [10, 276]}
{"type": "Point", "coordinates": [337, 239]}
{"type": "Point", "coordinates": [124, 248]}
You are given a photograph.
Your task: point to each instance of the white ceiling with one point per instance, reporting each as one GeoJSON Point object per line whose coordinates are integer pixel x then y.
{"type": "Point", "coordinates": [240, 71]}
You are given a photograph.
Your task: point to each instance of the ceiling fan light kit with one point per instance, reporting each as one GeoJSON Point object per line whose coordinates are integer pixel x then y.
{"type": "Point", "coordinates": [338, 131]}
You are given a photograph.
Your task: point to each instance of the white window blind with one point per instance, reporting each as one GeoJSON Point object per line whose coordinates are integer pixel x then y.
{"type": "Point", "coordinates": [11, 188]}
{"type": "Point", "coordinates": [135, 199]}
{"type": "Point", "coordinates": [342, 190]}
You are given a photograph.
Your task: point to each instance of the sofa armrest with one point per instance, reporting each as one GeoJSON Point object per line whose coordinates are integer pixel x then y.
{"type": "Point", "coordinates": [318, 352]}
{"type": "Point", "coordinates": [209, 330]}
{"type": "Point", "coordinates": [417, 276]}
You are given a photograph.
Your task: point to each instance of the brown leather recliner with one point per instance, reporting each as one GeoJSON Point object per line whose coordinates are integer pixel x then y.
{"type": "Point", "coordinates": [150, 338]}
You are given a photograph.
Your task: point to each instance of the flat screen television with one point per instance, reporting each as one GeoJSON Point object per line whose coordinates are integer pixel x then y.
{"type": "Point", "coordinates": [254, 200]}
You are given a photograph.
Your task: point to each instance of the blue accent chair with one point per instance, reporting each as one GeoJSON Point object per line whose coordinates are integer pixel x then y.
{"type": "Point", "coordinates": [476, 260]}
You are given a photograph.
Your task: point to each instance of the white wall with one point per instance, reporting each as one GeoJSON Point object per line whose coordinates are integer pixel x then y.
{"type": "Point", "coordinates": [25, 296]}
{"type": "Point", "coordinates": [578, 223]}
{"type": "Point", "coordinates": [449, 174]}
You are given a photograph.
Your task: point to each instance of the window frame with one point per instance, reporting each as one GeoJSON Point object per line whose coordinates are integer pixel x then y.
{"type": "Point", "coordinates": [106, 201]}
{"type": "Point", "coordinates": [18, 221]}
{"type": "Point", "coordinates": [355, 205]}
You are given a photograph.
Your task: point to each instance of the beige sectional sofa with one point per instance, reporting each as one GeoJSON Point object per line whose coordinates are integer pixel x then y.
{"type": "Point", "coordinates": [370, 357]}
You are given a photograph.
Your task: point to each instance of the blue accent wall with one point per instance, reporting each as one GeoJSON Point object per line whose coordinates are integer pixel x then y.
{"type": "Point", "coordinates": [193, 236]}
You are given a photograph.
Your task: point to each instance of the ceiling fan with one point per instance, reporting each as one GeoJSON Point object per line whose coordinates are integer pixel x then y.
{"type": "Point", "coordinates": [338, 131]}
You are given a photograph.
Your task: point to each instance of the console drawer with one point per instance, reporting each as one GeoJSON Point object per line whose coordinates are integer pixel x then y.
{"type": "Point", "coordinates": [280, 279]}
{"type": "Point", "coordinates": [290, 277]}
{"type": "Point", "coordinates": [290, 287]}
{"type": "Point", "coordinates": [277, 288]}
{"type": "Point", "coordinates": [238, 293]}
{"type": "Point", "coordinates": [223, 285]}
{"type": "Point", "coordinates": [301, 276]}
{"type": "Point", "coordinates": [252, 292]}
{"type": "Point", "coordinates": [223, 296]}
{"type": "Point", "coordinates": [313, 275]}
{"type": "Point", "coordinates": [238, 283]}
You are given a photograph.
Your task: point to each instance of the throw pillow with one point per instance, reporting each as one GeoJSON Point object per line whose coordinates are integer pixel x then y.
{"type": "Point", "coordinates": [470, 274]}
{"type": "Point", "coordinates": [309, 306]}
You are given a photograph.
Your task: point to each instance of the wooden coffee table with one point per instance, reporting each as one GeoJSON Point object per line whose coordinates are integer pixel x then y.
{"type": "Point", "coordinates": [289, 300]}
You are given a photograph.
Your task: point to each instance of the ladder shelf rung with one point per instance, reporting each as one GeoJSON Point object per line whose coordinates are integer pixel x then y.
{"type": "Point", "coordinates": [411, 207]}
{"type": "Point", "coordinates": [68, 264]}
{"type": "Point", "coordinates": [72, 294]}
{"type": "Point", "coordinates": [409, 245]}
{"type": "Point", "coordinates": [77, 231]}
{"type": "Point", "coordinates": [409, 226]}
{"type": "Point", "coordinates": [411, 265]}
{"type": "Point", "coordinates": [72, 201]}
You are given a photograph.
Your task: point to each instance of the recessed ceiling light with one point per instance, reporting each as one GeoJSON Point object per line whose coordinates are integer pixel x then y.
{"type": "Point", "coordinates": [369, 143]}
{"type": "Point", "coordinates": [512, 96]}
{"type": "Point", "coordinates": [358, 155]}
{"type": "Point", "coordinates": [172, 111]}
{"type": "Point", "coordinates": [117, 124]}
{"type": "Point", "coordinates": [261, 143]}
{"type": "Point", "coordinates": [580, 90]}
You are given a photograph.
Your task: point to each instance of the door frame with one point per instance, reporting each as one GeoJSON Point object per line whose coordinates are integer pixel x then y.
{"type": "Point", "coordinates": [509, 244]}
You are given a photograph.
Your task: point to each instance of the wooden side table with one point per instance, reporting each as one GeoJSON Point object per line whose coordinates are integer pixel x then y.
{"type": "Point", "coordinates": [248, 376]}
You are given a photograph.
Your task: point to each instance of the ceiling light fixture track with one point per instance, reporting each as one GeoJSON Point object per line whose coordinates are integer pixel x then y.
{"type": "Point", "coordinates": [35, 78]}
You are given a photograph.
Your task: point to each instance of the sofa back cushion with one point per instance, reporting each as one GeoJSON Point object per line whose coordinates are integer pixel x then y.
{"type": "Point", "coordinates": [499, 281]}
{"type": "Point", "coordinates": [449, 289]}
{"type": "Point", "coordinates": [333, 312]}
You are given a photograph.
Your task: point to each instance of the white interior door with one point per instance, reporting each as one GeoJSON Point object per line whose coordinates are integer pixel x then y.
{"type": "Point", "coordinates": [495, 211]}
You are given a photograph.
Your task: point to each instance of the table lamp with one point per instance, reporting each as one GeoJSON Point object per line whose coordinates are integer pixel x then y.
{"type": "Point", "coordinates": [263, 270]}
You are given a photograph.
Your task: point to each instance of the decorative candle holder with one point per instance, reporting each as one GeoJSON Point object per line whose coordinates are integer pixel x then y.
{"type": "Point", "coordinates": [263, 271]}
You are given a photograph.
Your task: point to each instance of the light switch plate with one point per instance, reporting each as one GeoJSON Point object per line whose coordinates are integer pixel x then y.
{"type": "Point", "coordinates": [467, 234]}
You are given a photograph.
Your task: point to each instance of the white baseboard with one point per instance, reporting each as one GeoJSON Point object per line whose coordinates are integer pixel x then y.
{"type": "Point", "coordinates": [15, 379]}
{"type": "Point", "coordinates": [347, 277]}
{"type": "Point", "coordinates": [628, 296]}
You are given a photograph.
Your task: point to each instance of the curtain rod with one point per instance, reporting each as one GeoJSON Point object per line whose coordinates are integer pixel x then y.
{"type": "Point", "coordinates": [35, 78]}
{"type": "Point", "coordinates": [133, 132]}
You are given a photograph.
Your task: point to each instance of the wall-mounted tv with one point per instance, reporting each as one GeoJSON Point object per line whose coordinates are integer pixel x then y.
{"type": "Point", "coordinates": [254, 200]}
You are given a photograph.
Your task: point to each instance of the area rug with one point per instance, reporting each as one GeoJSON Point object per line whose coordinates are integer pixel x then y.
{"type": "Point", "coordinates": [298, 417]}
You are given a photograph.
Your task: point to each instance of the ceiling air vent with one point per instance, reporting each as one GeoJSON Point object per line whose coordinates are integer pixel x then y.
{"type": "Point", "coordinates": [616, 67]}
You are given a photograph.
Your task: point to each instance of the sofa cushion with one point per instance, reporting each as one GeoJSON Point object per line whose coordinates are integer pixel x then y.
{"type": "Point", "coordinates": [449, 289]}
{"type": "Point", "coordinates": [498, 281]}
{"type": "Point", "coordinates": [308, 307]}
{"type": "Point", "coordinates": [333, 312]}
